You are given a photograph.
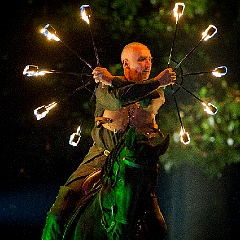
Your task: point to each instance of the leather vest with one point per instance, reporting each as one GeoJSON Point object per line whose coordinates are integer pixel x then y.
{"type": "Point", "coordinates": [131, 115]}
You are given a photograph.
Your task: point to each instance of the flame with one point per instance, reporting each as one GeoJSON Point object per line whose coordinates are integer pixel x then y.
{"type": "Point", "coordinates": [74, 139]}
{"type": "Point", "coordinates": [184, 136]}
{"type": "Point", "coordinates": [85, 11]}
{"type": "Point", "coordinates": [85, 17]}
{"type": "Point", "coordinates": [42, 111]}
{"type": "Point", "coordinates": [79, 129]}
{"type": "Point", "coordinates": [220, 71]}
{"type": "Point", "coordinates": [178, 10]}
{"type": "Point", "coordinates": [209, 32]}
{"type": "Point", "coordinates": [49, 32]}
{"type": "Point", "coordinates": [210, 108]}
{"type": "Point", "coordinates": [32, 70]}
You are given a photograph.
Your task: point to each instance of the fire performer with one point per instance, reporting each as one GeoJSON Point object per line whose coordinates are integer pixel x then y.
{"type": "Point", "coordinates": [121, 102]}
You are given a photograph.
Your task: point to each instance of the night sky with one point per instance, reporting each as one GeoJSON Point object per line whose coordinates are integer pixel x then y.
{"type": "Point", "coordinates": [36, 157]}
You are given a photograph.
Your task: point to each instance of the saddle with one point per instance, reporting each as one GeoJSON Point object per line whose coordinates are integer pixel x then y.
{"type": "Point", "coordinates": [90, 181]}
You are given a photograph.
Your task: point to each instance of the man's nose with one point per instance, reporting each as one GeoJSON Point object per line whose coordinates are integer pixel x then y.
{"type": "Point", "coordinates": [148, 63]}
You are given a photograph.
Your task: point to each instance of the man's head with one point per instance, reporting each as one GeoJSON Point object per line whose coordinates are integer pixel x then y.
{"type": "Point", "coordinates": [137, 61]}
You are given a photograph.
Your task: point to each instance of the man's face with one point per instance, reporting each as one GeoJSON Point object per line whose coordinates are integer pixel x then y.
{"type": "Point", "coordinates": [138, 64]}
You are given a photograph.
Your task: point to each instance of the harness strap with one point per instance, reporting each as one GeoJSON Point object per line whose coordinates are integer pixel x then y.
{"type": "Point", "coordinates": [103, 120]}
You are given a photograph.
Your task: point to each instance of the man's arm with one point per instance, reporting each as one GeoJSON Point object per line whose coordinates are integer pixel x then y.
{"type": "Point", "coordinates": [121, 92]}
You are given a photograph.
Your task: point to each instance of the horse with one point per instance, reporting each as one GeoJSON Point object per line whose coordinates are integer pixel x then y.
{"type": "Point", "coordinates": [117, 206]}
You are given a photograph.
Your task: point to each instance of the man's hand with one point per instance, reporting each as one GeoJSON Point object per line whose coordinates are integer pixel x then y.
{"type": "Point", "coordinates": [166, 77]}
{"type": "Point", "coordinates": [102, 75]}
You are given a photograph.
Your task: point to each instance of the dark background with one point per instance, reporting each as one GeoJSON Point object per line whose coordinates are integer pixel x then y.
{"type": "Point", "coordinates": [35, 155]}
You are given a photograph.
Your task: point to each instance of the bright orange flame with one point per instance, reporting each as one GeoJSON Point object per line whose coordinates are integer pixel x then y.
{"type": "Point", "coordinates": [184, 136]}
{"type": "Point", "coordinates": [79, 129]}
{"type": "Point", "coordinates": [210, 108]}
{"type": "Point", "coordinates": [209, 32]}
{"type": "Point", "coordinates": [220, 71]}
{"type": "Point", "coordinates": [74, 139]}
{"type": "Point", "coordinates": [178, 10]}
{"type": "Point", "coordinates": [42, 111]}
{"type": "Point", "coordinates": [85, 17]}
{"type": "Point", "coordinates": [49, 32]}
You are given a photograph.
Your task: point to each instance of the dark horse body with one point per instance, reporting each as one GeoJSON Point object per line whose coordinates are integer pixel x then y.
{"type": "Point", "coordinates": [117, 206]}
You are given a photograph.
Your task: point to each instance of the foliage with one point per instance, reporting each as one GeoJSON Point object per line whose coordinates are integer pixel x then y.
{"type": "Point", "coordinates": [215, 139]}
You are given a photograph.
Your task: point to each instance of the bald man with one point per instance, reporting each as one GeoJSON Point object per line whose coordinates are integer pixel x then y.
{"type": "Point", "coordinates": [121, 102]}
{"type": "Point", "coordinates": [136, 60]}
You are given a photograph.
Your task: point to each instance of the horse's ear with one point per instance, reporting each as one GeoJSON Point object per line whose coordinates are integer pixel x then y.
{"type": "Point", "coordinates": [162, 147]}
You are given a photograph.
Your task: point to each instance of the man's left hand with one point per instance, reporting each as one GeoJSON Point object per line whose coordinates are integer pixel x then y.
{"type": "Point", "coordinates": [102, 75]}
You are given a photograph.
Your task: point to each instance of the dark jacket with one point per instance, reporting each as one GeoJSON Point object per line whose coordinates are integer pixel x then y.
{"type": "Point", "coordinates": [123, 93]}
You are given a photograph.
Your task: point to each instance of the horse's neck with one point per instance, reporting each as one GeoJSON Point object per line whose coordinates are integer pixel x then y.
{"type": "Point", "coordinates": [122, 211]}
{"type": "Point", "coordinates": [88, 223]}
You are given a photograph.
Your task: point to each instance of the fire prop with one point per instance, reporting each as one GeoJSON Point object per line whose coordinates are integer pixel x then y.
{"type": "Point", "coordinates": [34, 71]}
{"type": "Point", "coordinates": [50, 33]}
{"type": "Point", "coordinates": [42, 111]}
{"type": "Point", "coordinates": [85, 11]}
{"type": "Point", "coordinates": [209, 108]}
{"type": "Point", "coordinates": [207, 34]}
{"type": "Point", "coordinates": [75, 137]}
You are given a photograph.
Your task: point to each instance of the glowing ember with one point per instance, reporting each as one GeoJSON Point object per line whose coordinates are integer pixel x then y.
{"type": "Point", "coordinates": [210, 108]}
{"type": "Point", "coordinates": [42, 111]}
{"type": "Point", "coordinates": [50, 33]}
{"type": "Point", "coordinates": [184, 136]}
{"type": "Point", "coordinates": [209, 32]}
{"type": "Point", "coordinates": [220, 71]}
{"type": "Point", "coordinates": [178, 10]}
{"type": "Point", "coordinates": [85, 12]}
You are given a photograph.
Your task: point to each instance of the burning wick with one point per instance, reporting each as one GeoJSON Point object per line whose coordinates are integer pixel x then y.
{"type": "Point", "coordinates": [184, 136]}
{"type": "Point", "coordinates": [75, 137]}
{"type": "Point", "coordinates": [209, 32]}
{"type": "Point", "coordinates": [86, 13]}
{"type": "Point", "coordinates": [32, 70]}
{"type": "Point", "coordinates": [210, 108]}
{"type": "Point", "coordinates": [42, 111]}
{"type": "Point", "coordinates": [50, 33]}
{"type": "Point", "coordinates": [220, 71]}
{"type": "Point", "coordinates": [178, 10]}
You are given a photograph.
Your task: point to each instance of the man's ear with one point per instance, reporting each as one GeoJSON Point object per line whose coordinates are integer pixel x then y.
{"type": "Point", "coordinates": [125, 63]}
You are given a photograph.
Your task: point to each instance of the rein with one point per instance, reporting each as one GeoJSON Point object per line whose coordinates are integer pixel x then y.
{"type": "Point", "coordinates": [138, 165]}
{"type": "Point", "coordinates": [103, 219]}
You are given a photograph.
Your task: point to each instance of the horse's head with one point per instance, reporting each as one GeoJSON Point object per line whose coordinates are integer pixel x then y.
{"type": "Point", "coordinates": [130, 175]}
